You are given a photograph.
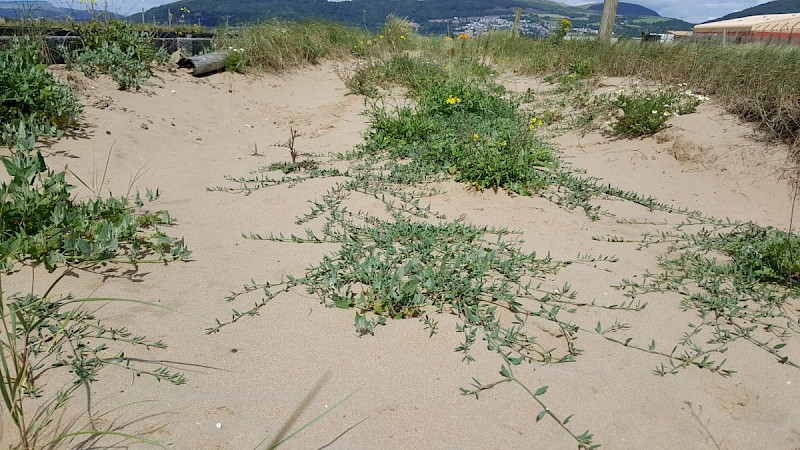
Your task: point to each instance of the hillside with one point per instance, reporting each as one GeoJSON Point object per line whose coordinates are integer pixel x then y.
{"type": "Point", "coordinates": [626, 9]}
{"type": "Point", "coordinates": [433, 17]}
{"type": "Point", "coordinates": [40, 10]}
{"type": "Point", "coordinates": [355, 12]}
{"type": "Point", "coordinates": [776, 7]}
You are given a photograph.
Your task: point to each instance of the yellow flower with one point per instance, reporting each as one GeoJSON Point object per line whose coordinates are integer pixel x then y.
{"type": "Point", "coordinates": [402, 36]}
{"type": "Point", "coordinates": [464, 36]}
{"type": "Point", "coordinates": [535, 122]}
{"type": "Point", "coordinates": [381, 36]}
{"type": "Point", "coordinates": [475, 137]}
{"type": "Point", "coordinates": [451, 100]}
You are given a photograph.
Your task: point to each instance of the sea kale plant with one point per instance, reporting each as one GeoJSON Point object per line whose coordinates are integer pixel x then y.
{"type": "Point", "coordinates": [117, 49]}
{"type": "Point", "coordinates": [29, 94]}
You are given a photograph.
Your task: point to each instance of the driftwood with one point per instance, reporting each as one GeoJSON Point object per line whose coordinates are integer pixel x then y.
{"type": "Point", "coordinates": [202, 64]}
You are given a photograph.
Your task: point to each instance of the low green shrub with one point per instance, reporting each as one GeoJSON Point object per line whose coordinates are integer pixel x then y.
{"type": "Point", "coordinates": [645, 112]}
{"type": "Point", "coordinates": [763, 254]}
{"type": "Point", "coordinates": [40, 221]}
{"type": "Point", "coordinates": [118, 49]}
{"type": "Point", "coordinates": [31, 95]}
{"type": "Point", "coordinates": [462, 125]}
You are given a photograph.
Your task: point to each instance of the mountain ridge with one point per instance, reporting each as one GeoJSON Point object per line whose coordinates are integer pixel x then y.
{"type": "Point", "coordinates": [372, 13]}
{"type": "Point", "coordinates": [774, 7]}
{"type": "Point", "coordinates": [625, 9]}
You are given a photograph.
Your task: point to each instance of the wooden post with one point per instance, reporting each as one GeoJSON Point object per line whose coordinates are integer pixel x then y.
{"type": "Point", "coordinates": [517, 18]}
{"type": "Point", "coordinates": [607, 22]}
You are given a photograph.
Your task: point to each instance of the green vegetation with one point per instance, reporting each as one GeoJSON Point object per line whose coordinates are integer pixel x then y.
{"type": "Point", "coordinates": [117, 49]}
{"type": "Point", "coordinates": [645, 112]}
{"type": "Point", "coordinates": [42, 224]}
{"type": "Point", "coordinates": [40, 221]}
{"type": "Point", "coordinates": [409, 260]}
{"type": "Point", "coordinates": [277, 46]}
{"type": "Point", "coordinates": [759, 83]}
{"type": "Point", "coordinates": [459, 124]}
{"type": "Point", "coordinates": [31, 96]}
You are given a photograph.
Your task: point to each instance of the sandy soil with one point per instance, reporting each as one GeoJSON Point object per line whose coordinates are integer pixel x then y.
{"type": "Point", "coordinates": [299, 358]}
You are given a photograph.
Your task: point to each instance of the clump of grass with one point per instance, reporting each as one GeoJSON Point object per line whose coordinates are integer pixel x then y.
{"type": "Point", "coordinates": [276, 46]}
{"type": "Point", "coordinates": [763, 254]}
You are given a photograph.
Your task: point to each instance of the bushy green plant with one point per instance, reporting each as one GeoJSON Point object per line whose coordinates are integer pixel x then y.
{"type": "Point", "coordinates": [645, 112]}
{"type": "Point", "coordinates": [396, 34]}
{"type": "Point", "coordinates": [234, 62]}
{"type": "Point", "coordinates": [118, 49]}
{"type": "Point", "coordinates": [31, 95]}
{"type": "Point", "coordinates": [764, 254]}
{"type": "Point", "coordinates": [40, 221]}
{"type": "Point", "coordinates": [561, 29]}
{"type": "Point", "coordinates": [461, 125]}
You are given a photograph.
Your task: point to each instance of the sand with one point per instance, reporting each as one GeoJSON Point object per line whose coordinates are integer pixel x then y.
{"type": "Point", "coordinates": [298, 358]}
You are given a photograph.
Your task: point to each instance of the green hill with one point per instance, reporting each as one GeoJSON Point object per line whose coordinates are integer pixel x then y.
{"type": "Point", "coordinates": [625, 9]}
{"type": "Point", "coordinates": [776, 7]}
{"type": "Point", "coordinates": [41, 10]}
{"type": "Point", "coordinates": [433, 16]}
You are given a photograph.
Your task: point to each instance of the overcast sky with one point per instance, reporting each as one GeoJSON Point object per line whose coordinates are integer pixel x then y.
{"type": "Point", "coordinates": [694, 11]}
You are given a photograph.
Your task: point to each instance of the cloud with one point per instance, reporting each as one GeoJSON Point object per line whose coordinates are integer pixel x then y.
{"type": "Point", "coordinates": [694, 11]}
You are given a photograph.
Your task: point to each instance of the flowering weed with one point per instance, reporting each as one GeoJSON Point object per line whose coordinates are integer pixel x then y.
{"type": "Point", "coordinates": [645, 112]}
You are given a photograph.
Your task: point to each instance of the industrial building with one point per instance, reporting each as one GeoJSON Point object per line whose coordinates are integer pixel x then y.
{"type": "Point", "coordinates": [767, 28]}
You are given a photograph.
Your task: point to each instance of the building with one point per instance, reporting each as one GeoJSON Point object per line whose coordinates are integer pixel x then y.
{"type": "Point", "coordinates": [768, 28]}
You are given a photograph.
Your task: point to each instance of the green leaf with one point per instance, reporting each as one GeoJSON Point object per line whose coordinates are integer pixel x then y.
{"type": "Point", "coordinates": [505, 371]}
{"type": "Point", "coordinates": [540, 391]}
{"type": "Point", "coordinates": [342, 302]}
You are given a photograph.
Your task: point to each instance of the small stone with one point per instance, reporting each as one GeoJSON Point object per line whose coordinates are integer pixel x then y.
{"type": "Point", "coordinates": [144, 126]}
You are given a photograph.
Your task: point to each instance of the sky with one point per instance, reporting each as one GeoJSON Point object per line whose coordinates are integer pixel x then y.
{"type": "Point", "coordinates": [694, 11]}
